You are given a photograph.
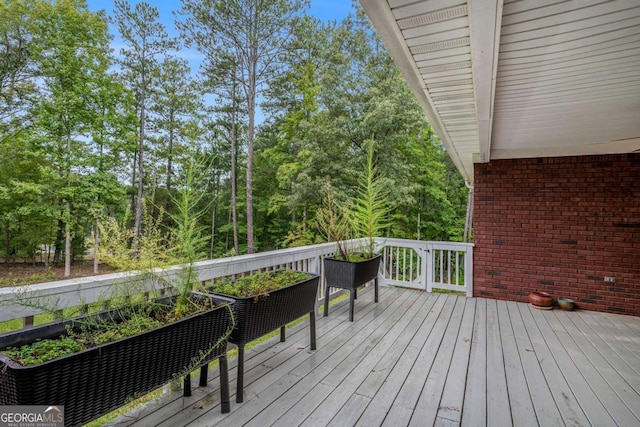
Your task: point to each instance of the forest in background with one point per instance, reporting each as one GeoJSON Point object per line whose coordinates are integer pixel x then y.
{"type": "Point", "coordinates": [124, 142]}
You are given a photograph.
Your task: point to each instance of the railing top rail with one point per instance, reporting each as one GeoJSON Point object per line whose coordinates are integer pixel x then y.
{"type": "Point", "coordinates": [23, 301]}
{"type": "Point", "coordinates": [396, 241]}
{"type": "Point", "coordinates": [18, 302]}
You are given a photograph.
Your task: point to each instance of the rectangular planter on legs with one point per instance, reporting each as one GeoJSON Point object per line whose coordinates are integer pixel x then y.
{"type": "Point", "coordinates": [349, 275]}
{"type": "Point", "coordinates": [98, 380]}
{"type": "Point", "coordinates": [258, 315]}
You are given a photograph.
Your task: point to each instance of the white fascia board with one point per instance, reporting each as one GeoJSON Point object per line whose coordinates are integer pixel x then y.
{"type": "Point", "coordinates": [386, 26]}
{"type": "Point", "coordinates": [485, 20]}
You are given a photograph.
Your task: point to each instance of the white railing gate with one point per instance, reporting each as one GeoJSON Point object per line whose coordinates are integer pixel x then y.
{"type": "Point", "coordinates": [427, 265]}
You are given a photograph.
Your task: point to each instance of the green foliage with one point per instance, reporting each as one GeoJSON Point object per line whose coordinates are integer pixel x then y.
{"type": "Point", "coordinates": [128, 328]}
{"type": "Point", "coordinates": [259, 284]}
{"type": "Point", "coordinates": [45, 350]}
{"type": "Point", "coordinates": [368, 212]}
{"type": "Point", "coordinates": [187, 235]}
{"type": "Point", "coordinates": [365, 217]}
{"type": "Point", "coordinates": [91, 333]}
{"type": "Point", "coordinates": [116, 251]}
{"type": "Point", "coordinates": [333, 221]}
{"type": "Point", "coordinates": [72, 137]}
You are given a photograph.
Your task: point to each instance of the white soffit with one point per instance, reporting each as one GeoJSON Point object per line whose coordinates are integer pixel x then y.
{"type": "Point", "coordinates": [523, 78]}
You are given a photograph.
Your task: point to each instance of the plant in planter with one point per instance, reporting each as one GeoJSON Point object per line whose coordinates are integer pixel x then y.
{"type": "Point", "coordinates": [95, 363]}
{"type": "Point", "coordinates": [96, 375]}
{"type": "Point", "coordinates": [365, 218]}
{"type": "Point", "coordinates": [265, 302]}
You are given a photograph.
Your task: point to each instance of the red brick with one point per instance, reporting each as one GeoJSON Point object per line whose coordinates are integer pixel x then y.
{"type": "Point", "coordinates": [570, 221]}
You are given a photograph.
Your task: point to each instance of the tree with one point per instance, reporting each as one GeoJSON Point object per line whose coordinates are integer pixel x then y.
{"type": "Point", "coordinates": [16, 65]}
{"type": "Point", "coordinates": [145, 38]}
{"type": "Point", "coordinates": [292, 101]}
{"type": "Point", "coordinates": [72, 54]}
{"type": "Point", "coordinates": [253, 35]}
{"type": "Point", "coordinates": [176, 99]}
{"type": "Point", "coordinates": [114, 139]}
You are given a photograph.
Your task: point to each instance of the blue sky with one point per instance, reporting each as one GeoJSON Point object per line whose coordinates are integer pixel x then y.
{"type": "Point", "coordinates": [325, 10]}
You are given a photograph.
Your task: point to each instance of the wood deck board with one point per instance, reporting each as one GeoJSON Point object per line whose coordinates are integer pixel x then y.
{"type": "Point", "coordinates": [612, 371]}
{"type": "Point", "coordinates": [429, 359]}
{"type": "Point", "coordinates": [522, 411]}
{"type": "Point", "coordinates": [544, 407]}
{"type": "Point", "coordinates": [475, 399]}
{"type": "Point", "coordinates": [429, 403]}
{"type": "Point", "coordinates": [335, 369]}
{"type": "Point", "coordinates": [570, 410]}
{"type": "Point", "coordinates": [453, 394]}
{"type": "Point", "coordinates": [319, 365]}
{"type": "Point", "coordinates": [407, 398]}
{"type": "Point", "coordinates": [360, 365]}
{"type": "Point", "coordinates": [383, 400]}
{"type": "Point", "coordinates": [593, 376]}
{"type": "Point", "coordinates": [498, 414]}
{"type": "Point", "coordinates": [588, 400]}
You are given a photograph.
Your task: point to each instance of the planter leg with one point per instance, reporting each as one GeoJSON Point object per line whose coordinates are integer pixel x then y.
{"type": "Point", "coordinates": [355, 293]}
{"type": "Point", "coordinates": [283, 335]}
{"type": "Point", "coordinates": [312, 329]}
{"type": "Point", "coordinates": [186, 386]}
{"type": "Point", "coordinates": [351, 304]}
{"type": "Point", "coordinates": [204, 370]}
{"type": "Point", "coordinates": [375, 286]}
{"type": "Point", "coordinates": [224, 385]}
{"type": "Point", "coordinates": [326, 301]}
{"type": "Point", "coordinates": [240, 379]}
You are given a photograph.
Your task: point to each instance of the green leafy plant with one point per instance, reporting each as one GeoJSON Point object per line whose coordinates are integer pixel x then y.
{"type": "Point", "coordinates": [364, 217]}
{"type": "Point", "coordinates": [332, 219]}
{"type": "Point", "coordinates": [132, 320]}
{"type": "Point", "coordinates": [189, 243]}
{"type": "Point", "coordinates": [115, 248]}
{"type": "Point", "coordinates": [137, 313]}
{"type": "Point", "coordinates": [44, 350]}
{"type": "Point", "coordinates": [369, 210]}
{"type": "Point", "coordinates": [259, 284]}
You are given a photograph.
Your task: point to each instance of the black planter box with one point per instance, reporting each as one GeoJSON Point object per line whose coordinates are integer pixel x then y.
{"type": "Point", "coordinates": [98, 380]}
{"type": "Point", "coordinates": [257, 316]}
{"type": "Point", "coordinates": [349, 275]}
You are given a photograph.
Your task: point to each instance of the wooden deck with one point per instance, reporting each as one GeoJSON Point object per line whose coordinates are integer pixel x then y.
{"type": "Point", "coordinates": [430, 359]}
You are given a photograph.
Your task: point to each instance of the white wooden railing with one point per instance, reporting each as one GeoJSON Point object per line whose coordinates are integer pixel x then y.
{"type": "Point", "coordinates": [410, 263]}
{"type": "Point", "coordinates": [427, 265]}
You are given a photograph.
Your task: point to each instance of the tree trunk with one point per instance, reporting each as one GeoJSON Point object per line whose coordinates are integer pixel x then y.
{"type": "Point", "coordinates": [154, 187]}
{"type": "Point", "coordinates": [251, 110]}
{"type": "Point", "coordinates": [67, 240]}
{"type": "Point", "coordinates": [134, 168]}
{"type": "Point", "coordinates": [170, 152]}
{"type": "Point", "coordinates": [57, 254]}
{"type": "Point", "coordinates": [304, 218]}
{"type": "Point", "coordinates": [96, 245]}
{"type": "Point", "coordinates": [7, 245]}
{"type": "Point", "coordinates": [216, 191]}
{"type": "Point", "coordinates": [234, 172]}
{"type": "Point", "coordinates": [137, 227]}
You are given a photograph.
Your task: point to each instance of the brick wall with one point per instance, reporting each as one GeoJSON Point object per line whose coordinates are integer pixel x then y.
{"type": "Point", "coordinates": [560, 225]}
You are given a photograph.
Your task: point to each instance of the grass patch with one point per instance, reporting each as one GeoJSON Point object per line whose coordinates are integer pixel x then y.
{"type": "Point", "coordinates": [128, 407]}
{"type": "Point", "coordinates": [47, 276]}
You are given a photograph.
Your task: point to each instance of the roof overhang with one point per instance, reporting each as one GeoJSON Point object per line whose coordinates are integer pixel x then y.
{"type": "Point", "coordinates": [514, 79]}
